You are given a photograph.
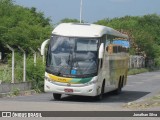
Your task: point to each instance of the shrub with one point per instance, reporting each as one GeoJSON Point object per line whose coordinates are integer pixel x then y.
{"type": "Point", "coordinates": [35, 73]}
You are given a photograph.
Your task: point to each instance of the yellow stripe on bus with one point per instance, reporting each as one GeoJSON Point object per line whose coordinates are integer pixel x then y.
{"type": "Point", "coordinates": [59, 79]}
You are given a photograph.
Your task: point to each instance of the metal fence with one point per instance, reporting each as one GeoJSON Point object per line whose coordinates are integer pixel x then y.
{"type": "Point", "coordinates": [136, 61]}
{"type": "Point", "coordinates": [8, 72]}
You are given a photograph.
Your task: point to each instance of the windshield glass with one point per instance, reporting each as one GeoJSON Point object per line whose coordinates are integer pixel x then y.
{"type": "Point", "coordinates": [72, 57]}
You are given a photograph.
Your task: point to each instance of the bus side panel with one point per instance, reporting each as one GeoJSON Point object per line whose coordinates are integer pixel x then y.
{"type": "Point", "coordinates": [114, 67]}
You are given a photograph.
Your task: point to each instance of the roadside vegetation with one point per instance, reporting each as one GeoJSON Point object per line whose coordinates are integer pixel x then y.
{"type": "Point", "coordinates": [24, 27]}
{"type": "Point", "coordinates": [143, 32]}
{"type": "Point", "coordinates": [21, 26]}
{"type": "Point", "coordinates": [137, 71]}
{"type": "Point", "coordinates": [34, 73]}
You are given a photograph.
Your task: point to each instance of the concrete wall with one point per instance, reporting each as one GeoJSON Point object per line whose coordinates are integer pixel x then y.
{"type": "Point", "coordinates": [9, 87]}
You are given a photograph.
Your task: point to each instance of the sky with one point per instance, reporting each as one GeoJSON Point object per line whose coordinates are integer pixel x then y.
{"type": "Point", "coordinates": [93, 10]}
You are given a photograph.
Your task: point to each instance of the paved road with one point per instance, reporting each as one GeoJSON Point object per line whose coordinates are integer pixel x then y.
{"type": "Point", "coordinates": [139, 87]}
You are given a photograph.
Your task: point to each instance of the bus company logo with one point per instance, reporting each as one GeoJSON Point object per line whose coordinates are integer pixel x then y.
{"type": "Point", "coordinates": [61, 79]}
{"type": "Point", "coordinates": [6, 114]}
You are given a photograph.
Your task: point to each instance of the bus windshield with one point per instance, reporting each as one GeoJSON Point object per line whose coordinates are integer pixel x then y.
{"type": "Point", "coordinates": [72, 56]}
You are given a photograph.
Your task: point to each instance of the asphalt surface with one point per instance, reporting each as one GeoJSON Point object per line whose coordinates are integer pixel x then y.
{"type": "Point", "coordinates": [138, 88]}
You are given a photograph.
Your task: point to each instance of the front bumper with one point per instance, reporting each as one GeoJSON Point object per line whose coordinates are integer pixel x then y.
{"type": "Point", "coordinates": [88, 90]}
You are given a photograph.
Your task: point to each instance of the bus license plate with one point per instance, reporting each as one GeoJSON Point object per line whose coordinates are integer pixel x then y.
{"type": "Point", "coordinates": [68, 90]}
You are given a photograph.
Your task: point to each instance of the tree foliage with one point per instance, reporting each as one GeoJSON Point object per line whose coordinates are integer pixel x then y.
{"type": "Point", "coordinates": [22, 26]}
{"type": "Point", "coordinates": [26, 27]}
{"type": "Point", "coordinates": [143, 31]}
{"type": "Point", "coordinates": [68, 20]}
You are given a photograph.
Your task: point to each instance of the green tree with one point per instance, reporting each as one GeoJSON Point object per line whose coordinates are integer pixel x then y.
{"type": "Point", "coordinates": [143, 31]}
{"type": "Point", "coordinates": [68, 20]}
{"type": "Point", "coordinates": [22, 26]}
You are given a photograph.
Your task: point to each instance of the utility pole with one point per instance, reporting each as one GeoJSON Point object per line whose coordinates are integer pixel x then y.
{"type": "Point", "coordinates": [81, 11]}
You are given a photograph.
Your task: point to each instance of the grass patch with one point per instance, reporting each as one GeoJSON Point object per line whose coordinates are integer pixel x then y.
{"type": "Point", "coordinates": [16, 91]}
{"type": "Point", "coordinates": [5, 73]}
{"type": "Point", "coordinates": [137, 71]}
{"type": "Point", "coordinates": [153, 101]}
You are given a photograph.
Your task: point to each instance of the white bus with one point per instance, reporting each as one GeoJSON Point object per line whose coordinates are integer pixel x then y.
{"type": "Point", "coordinates": [82, 60]}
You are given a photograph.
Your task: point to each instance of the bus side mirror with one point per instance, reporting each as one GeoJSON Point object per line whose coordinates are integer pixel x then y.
{"type": "Point", "coordinates": [101, 51]}
{"type": "Point", "coordinates": [43, 47]}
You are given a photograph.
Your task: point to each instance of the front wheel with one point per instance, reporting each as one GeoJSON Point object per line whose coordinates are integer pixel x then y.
{"type": "Point", "coordinates": [100, 96]}
{"type": "Point", "coordinates": [56, 96]}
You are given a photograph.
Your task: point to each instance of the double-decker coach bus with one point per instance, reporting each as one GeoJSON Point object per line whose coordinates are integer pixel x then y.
{"type": "Point", "coordinates": [83, 60]}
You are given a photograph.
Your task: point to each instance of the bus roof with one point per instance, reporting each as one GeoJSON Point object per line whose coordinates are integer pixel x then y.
{"type": "Point", "coordinates": [85, 30]}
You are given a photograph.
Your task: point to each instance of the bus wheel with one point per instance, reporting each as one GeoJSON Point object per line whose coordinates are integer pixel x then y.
{"type": "Point", "coordinates": [100, 96]}
{"type": "Point", "coordinates": [119, 89]}
{"type": "Point", "coordinates": [56, 96]}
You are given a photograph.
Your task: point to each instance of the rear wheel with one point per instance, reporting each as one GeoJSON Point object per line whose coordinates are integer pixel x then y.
{"type": "Point", "coordinates": [56, 96]}
{"type": "Point", "coordinates": [119, 89]}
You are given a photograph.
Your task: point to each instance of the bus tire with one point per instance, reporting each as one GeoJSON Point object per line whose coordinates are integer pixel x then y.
{"type": "Point", "coordinates": [119, 89]}
{"type": "Point", "coordinates": [56, 96]}
{"type": "Point", "coordinates": [123, 81]}
{"type": "Point", "coordinates": [100, 96]}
